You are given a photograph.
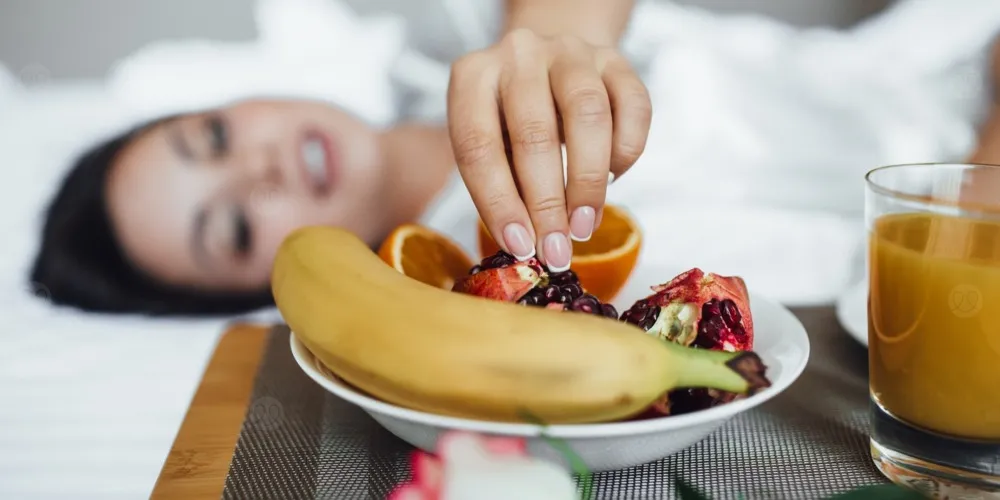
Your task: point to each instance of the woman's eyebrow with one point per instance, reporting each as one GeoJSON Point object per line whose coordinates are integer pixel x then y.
{"type": "Point", "coordinates": [178, 142]}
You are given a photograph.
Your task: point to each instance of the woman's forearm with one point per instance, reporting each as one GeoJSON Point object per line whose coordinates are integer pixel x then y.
{"type": "Point", "coordinates": [988, 148]}
{"type": "Point", "coordinates": [982, 186]}
{"type": "Point", "coordinates": [599, 22]}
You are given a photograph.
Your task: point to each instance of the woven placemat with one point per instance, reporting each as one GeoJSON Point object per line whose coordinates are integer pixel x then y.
{"type": "Point", "coordinates": [810, 442]}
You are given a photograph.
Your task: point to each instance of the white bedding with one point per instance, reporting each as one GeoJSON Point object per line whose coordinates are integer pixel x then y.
{"type": "Point", "coordinates": [88, 404]}
{"type": "Point", "coordinates": [776, 124]}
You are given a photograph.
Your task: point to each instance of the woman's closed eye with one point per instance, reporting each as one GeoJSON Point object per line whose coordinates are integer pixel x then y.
{"type": "Point", "coordinates": [242, 236]}
{"type": "Point", "coordinates": [218, 134]}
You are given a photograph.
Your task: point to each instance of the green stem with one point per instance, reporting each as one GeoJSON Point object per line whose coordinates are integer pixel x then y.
{"type": "Point", "coordinates": [738, 372]}
{"type": "Point", "coordinates": [576, 462]}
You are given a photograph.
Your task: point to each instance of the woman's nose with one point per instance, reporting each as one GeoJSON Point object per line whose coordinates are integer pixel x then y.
{"type": "Point", "coordinates": [263, 166]}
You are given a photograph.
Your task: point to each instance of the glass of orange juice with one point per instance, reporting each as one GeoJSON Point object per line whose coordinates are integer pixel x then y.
{"type": "Point", "coordinates": [934, 326]}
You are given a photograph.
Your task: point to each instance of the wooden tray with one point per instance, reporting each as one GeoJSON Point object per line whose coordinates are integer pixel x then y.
{"type": "Point", "coordinates": [199, 459]}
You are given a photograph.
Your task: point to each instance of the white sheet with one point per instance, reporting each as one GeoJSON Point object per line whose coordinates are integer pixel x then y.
{"type": "Point", "coordinates": [776, 125]}
{"type": "Point", "coordinates": [89, 404]}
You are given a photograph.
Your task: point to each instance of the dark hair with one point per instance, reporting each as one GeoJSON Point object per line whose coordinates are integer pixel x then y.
{"type": "Point", "coordinates": [80, 263]}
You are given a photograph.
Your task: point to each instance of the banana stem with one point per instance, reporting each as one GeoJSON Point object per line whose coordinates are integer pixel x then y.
{"type": "Point", "coordinates": [739, 372]}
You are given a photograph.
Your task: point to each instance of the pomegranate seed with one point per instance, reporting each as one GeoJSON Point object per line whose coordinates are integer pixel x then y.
{"type": "Point", "coordinates": [564, 278]}
{"type": "Point", "coordinates": [573, 290]}
{"type": "Point", "coordinates": [731, 313]}
{"type": "Point", "coordinates": [609, 311]}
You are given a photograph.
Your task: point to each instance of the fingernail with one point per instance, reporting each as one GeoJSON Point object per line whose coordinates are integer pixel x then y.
{"type": "Point", "coordinates": [556, 252]}
{"type": "Point", "coordinates": [518, 241]}
{"type": "Point", "coordinates": [581, 224]}
{"type": "Point", "coordinates": [611, 177]}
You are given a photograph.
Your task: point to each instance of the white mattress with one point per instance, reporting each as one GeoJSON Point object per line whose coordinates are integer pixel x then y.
{"type": "Point", "coordinates": [89, 405]}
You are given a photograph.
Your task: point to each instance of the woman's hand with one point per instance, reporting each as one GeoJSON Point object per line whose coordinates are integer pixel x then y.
{"type": "Point", "coordinates": [512, 105]}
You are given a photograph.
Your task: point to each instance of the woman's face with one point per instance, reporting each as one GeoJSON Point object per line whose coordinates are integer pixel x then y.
{"type": "Point", "coordinates": [204, 200]}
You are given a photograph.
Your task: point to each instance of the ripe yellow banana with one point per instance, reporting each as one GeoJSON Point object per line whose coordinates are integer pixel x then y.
{"type": "Point", "coordinates": [420, 347]}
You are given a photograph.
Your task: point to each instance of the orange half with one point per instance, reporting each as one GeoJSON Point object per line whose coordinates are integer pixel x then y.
{"type": "Point", "coordinates": [425, 255]}
{"type": "Point", "coordinates": [606, 261]}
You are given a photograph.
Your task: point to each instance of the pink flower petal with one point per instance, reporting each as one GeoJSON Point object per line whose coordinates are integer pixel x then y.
{"type": "Point", "coordinates": [428, 472]}
{"type": "Point", "coordinates": [449, 441]}
{"type": "Point", "coordinates": [507, 446]}
{"type": "Point", "coordinates": [425, 484]}
{"type": "Point", "coordinates": [410, 492]}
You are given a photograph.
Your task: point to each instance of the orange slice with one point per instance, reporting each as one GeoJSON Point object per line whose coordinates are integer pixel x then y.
{"type": "Point", "coordinates": [425, 255]}
{"type": "Point", "coordinates": [605, 262]}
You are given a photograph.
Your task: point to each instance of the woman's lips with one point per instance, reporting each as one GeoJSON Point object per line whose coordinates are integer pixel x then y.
{"type": "Point", "coordinates": [319, 162]}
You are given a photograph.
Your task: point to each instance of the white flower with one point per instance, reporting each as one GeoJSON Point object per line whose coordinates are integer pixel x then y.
{"type": "Point", "coordinates": [472, 467]}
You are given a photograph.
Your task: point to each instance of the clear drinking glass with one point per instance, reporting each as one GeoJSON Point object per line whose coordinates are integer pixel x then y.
{"type": "Point", "coordinates": [934, 327]}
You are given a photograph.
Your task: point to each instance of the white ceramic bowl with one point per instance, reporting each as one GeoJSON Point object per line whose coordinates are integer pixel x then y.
{"type": "Point", "coordinates": [779, 338]}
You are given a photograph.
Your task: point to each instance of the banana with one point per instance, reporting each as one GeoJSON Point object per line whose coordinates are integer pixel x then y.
{"type": "Point", "coordinates": [429, 349]}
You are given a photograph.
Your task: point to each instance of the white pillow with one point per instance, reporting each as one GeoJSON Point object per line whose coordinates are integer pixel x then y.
{"type": "Point", "coordinates": [317, 49]}
{"type": "Point", "coordinates": [7, 83]}
{"type": "Point", "coordinates": [42, 131]}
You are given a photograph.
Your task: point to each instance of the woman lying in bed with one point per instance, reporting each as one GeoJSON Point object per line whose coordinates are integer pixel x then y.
{"type": "Point", "coordinates": [184, 215]}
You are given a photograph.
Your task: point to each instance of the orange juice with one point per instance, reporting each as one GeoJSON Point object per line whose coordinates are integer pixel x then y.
{"type": "Point", "coordinates": [934, 322]}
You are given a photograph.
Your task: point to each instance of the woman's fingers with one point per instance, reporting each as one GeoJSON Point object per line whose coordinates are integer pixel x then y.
{"type": "Point", "coordinates": [631, 111]}
{"type": "Point", "coordinates": [477, 140]}
{"type": "Point", "coordinates": [530, 115]}
{"type": "Point", "coordinates": [586, 115]}
{"type": "Point", "coordinates": [510, 156]}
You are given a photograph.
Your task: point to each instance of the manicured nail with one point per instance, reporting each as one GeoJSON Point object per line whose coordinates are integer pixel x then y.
{"type": "Point", "coordinates": [581, 224]}
{"type": "Point", "coordinates": [556, 252]}
{"type": "Point", "coordinates": [518, 241]}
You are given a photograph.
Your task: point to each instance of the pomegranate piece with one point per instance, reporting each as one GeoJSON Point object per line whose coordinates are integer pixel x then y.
{"type": "Point", "coordinates": [501, 277]}
{"type": "Point", "coordinates": [509, 283]}
{"type": "Point", "coordinates": [696, 309]}
{"type": "Point", "coordinates": [705, 310]}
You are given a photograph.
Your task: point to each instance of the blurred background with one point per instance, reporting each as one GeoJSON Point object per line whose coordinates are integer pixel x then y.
{"type": "Point", "coordinates": [83, 38]}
